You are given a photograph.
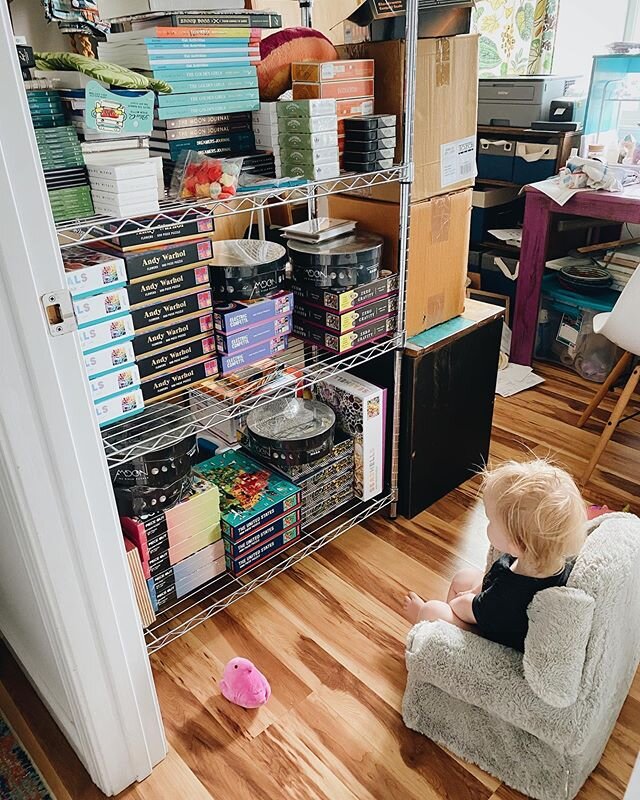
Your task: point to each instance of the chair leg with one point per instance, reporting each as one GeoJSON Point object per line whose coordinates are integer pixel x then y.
{"type": "Point", "coordinates": [612, 424]}
{"type": "Point", "coordinates": [615, 373]}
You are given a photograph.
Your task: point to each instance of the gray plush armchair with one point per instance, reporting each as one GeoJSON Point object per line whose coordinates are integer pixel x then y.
{"type": "Point", "coordinates": [541, 720]}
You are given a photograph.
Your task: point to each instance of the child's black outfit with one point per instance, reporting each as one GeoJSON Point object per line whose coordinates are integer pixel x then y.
{"type": "Point", "coordinates": [501, 607]}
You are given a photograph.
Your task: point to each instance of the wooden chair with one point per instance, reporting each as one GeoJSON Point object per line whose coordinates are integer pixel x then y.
{"type": "Point", "coordinates": [622, 327]}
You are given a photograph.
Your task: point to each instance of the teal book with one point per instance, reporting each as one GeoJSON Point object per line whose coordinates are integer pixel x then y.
{"type": "Point", "coordinates": [207, 98]}
{"type": "Point", "coordinates": [222, 84]}
{"type": "Point", "coordinates": [200, 73]}
{"type": "Point", "coordinates": [177, 112]}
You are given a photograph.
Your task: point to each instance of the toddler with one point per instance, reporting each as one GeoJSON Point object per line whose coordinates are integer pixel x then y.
{"type": "Point", "coordinates": [537, 520]}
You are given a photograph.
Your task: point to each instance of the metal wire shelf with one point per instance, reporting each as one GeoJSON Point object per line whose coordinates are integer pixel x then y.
{"type": "Point", "coordinates": [196, 411]}
{"type": "Point", "coordinates": [100, 228]}
{"type": "Point", "coordinates": [221, 592]}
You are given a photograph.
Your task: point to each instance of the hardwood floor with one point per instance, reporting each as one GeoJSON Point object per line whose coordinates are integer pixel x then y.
{"type": "Point", "coordinates": [329, 636]}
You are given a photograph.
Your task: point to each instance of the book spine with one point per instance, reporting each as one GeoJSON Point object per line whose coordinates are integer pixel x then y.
{"type": "Point", "coordinates": [213, 108]}
{"type": "Point", "coordinates": [180, 134]}
{"type": "Point", "coordinates": [190, 61]}
{"type": "Point", "coordinates": [203, 98]}
{"type": "Point", "coordinates": [221, 140]}
{"type": "Point", "coordinates": [199, 32]}
{"type": "Point", "coordinates": [246, 82]}
{"type": "Point", "coordinates": [212, 73]}
{"type": "Point", "coordinates": [157, 43]}
{"type": "Point", "coordinates": [265, 20]}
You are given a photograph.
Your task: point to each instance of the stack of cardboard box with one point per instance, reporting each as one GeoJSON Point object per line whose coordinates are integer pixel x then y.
{"type": "Point", "coordinates": [445, 168]}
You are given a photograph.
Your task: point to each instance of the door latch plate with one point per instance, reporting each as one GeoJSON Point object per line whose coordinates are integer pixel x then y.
{"type": "Point", "coordinates": [58, 310]}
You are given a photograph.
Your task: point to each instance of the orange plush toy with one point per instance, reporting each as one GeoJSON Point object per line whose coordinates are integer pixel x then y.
{"type": "Point", "coordinates": [278, 52]}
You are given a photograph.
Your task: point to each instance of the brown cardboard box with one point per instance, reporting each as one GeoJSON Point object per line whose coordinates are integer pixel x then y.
{"type": "Point", "coordinates": [438, 250]}
{"type": "Point", "coordinates": [372, 216]}
{"type": "Point", "coordinates": [445, 115]}
{"type": "Point", "coordinates": [438, 255]}
{"type": "Point", "coordinates": [327, 15]}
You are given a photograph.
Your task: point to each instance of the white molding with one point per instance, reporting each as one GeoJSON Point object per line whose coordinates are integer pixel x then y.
{"type": "Point", "coordinates": [56, 485]}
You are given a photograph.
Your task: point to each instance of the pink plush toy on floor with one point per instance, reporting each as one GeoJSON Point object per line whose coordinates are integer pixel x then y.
{"type": "Point", "coordinates": [243, 684]}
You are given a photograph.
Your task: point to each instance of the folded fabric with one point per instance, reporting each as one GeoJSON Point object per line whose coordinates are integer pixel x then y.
{"type": "Point", "coordinates": [112, 74]}
{"type": "Point", "coordinates": [585, 175]}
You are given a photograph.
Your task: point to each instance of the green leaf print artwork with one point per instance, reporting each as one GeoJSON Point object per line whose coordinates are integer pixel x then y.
{"type": "Point", "coordinates": [524, 21]}
{"type": "Point", "coordinates": [489, 55]}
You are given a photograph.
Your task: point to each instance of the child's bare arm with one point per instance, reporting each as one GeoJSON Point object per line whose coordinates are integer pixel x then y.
{"type": "Point", "coordinates": [462, 607]}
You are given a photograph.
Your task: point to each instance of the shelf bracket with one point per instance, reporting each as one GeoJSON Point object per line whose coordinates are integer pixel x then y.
{"type": "Point", "coordinates": [58, 311]}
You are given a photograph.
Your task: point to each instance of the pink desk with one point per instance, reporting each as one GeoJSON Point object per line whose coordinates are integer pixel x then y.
{"type": "Point", "coordinates": [617, 207]}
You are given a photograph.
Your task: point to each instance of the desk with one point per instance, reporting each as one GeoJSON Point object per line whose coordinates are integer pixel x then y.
{"type": "Point", "coordinates": [615, 206]}
{"type": "Point", "coordinates": [448, 391]}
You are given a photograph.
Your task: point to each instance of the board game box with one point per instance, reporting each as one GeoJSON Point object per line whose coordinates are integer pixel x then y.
{"type": "Point", "coordinates": [158, 386]}
{"type": "Point", "coordinates": [156, 363]}
{"type": "Point", "coordinates": [341, 300]}
{"type": "Point", "coordinates": [252, 540]}
{"type": "Point", "coordinates": [242, 564]}
{"type": "Point", "coordinates": [250, 494]}
{"type": "Point", "coordinates": [179, 331]}
{"type": "Point", "coordinates": [131, 236]}
{"type": "Point", "coordinates": [151, 316]}
{"type": "Point", "coordinates": [168, 284]}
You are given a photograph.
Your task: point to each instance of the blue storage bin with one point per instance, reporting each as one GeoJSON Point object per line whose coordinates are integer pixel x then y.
{"type": "Point", "coordinates": [565, 330]}
{"type": "Point", "coordinates": [534, 162]}
{"type": "Point", "coordinates": [494, 218]}
{"type": "Point", "coordinates": [499, 274]}
{"type": "Point", "coordinates": [495, 159]}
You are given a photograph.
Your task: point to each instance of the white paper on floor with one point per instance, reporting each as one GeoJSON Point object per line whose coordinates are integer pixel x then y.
{"type": "Point", "coordinates": [516, 378]}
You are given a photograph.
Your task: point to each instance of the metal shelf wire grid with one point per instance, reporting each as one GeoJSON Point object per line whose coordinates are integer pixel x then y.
{"type": "Point", "coordinates": [100, 228]}
{"type": "Point", "coordinates": [221, 592]}
{"type": "Point", "coordinates": [196, 411]}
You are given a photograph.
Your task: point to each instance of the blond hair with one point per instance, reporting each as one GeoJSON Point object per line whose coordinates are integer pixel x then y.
{"type": "Point", "coordinates": [541, 509]}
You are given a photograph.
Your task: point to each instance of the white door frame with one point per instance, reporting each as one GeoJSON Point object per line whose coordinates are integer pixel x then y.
{"type": "Point", "coordinates": [55, 485]}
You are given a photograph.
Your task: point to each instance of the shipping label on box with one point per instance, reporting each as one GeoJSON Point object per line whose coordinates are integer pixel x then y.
{"type": "Point", "coordinates": [179, 331]}
{"type": "Point", "coordinates": [458, 161]}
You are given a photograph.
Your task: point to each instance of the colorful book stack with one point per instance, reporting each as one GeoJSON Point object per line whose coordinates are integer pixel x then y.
{"type": "Point", "coordinates": [350, 83]}
{"type": "Point", "coordinates": [168, 338]}
{"type": "Point", "coordinates": [308, 138]}
{"type": "Point", "coordinates": [260, 509]}
{"type": "Point", "coordinates": [180, 548]}
{"type": "Point", "coordinates": [212, 72]}
{"type": "Point", "coordinates": [61, 156]}
{"type": "Point", "coordinates": [125, 189]}
{"type": "Point", "coordinates": [370, 142]}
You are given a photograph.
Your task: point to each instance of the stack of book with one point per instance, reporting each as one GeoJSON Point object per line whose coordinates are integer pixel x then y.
{"type": "Point", "coordinates": [212, 71]}
{"type": "Point", "coordinates": [265, 129]}
{"type": "Point", "coordinates": [125, 189]}
{"type": "Point", "coordinates": [308, 137]}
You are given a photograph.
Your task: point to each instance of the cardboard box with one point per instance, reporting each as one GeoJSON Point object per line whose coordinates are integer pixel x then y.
{"type": "Point", "coordinates": [372, 216]}
{"type": "Point", "coordinates": [324, 71]}
{"type": "Point", "coordinates": [446, 110]}
{"type": "Point", "coordinates": [339, 90]}
{"type": "Point", "coordinates": [438, 254]}
{"type": "Point", "coordinates": [328, 15]}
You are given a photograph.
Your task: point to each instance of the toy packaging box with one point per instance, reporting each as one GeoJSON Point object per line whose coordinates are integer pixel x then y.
{"type": "Point", "coordinates": [342, 300]}
{"type": "Point", "coordinates": [360, 411]}
{"type": "Point", "coordinates": [252, 540]}
{"type": "Point", "coordinates": [347, 321]}
{"type": "Point", "coordinates": [119, 407]}
{"type": "Point", "coordinates": [251, 495]}
{"type": "Point", "coordinates": [258, 352]}
{"type": "Point", "coordinates": [186, 576]}
{"type": "Point", "coordinates": [95, 308]}
{"type": "Point", "coordinates": [114, 382]}
{"type": "Point", "coordinates": [105, 360]}
{"type": "Point", "coordinates": [106, 334]}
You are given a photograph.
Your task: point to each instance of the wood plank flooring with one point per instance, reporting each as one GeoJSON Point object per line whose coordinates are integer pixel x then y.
{"type": "Point", "coordinates": [329, 636]}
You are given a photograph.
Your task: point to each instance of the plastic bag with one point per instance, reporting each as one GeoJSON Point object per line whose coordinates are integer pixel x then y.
{"type": "Point", "coordinates": [206, 177]}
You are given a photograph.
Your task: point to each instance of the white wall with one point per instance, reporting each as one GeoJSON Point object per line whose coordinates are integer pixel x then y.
{"type": "Point", "coordinates": [29, 21]}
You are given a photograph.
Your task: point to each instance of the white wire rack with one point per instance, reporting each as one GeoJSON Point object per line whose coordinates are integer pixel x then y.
{"type": "Point", "coordinates": [196, 411]}
{"type": "Point", "coordinates": [221, 592]}
{"type": "Point", "coordinates": [101, 228]}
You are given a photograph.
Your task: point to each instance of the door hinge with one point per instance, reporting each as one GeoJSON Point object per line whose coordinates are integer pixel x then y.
{"type": "Point", "coordinates": [58, 309]}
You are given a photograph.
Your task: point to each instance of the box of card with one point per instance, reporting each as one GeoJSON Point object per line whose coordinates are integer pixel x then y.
{"type": "Point", "coordinates": [341, 300]}
{"type": "Point", "coordinates": [315, 156]}
{"type": "Point", "coordinates": [105, 334]}
{"type": "Point", "coordinates": [157, 386]}
{"type": "Point", "coordinates": [307, 124]}
{"type": "Point", "coordinates": [156, 363]}
{"type": "Point", "coordinates": [131, 236]}
{"type": "Point", "coordinates": [347, 321]}
{"type": "Point", "coordinates": [119, 407]}
{"type": "Point", "coordinates": [235, 342]}
{"type": "Point", "coordinates": [88, 271]}
{"type": "Point", "coordinates": [108, 358]}
{"type": "Point", "coordinates": [179, 331]}
{"type": "Point", "coordinates": [95, 308]}
{"type": "Point", "coordinates": [148, 290]}
{"type": "Point", "coordinates": [338, 90]}
{"type": "Point", "coordinates": [307, 108]}
{"type": "Point", "coordinates": [197, 513]}
{"type": "Point", "coordinates": [323, 71]}
{"type": "Point", "coordinates": [114, 382]}
{"type": "Point", "coordinates": [252, 540]}
{"type": "Point", "coordinates": [235, 316]}
{"type": "Point", "coordinates": [342, 343]}
{"type": "Point", "coordinates": [318, 172]}
{"type": "Point", "coordinates": [153, 315]}
{"type": "Point", "coordinates": [360, 409]}
{"type": "Point", "coordinates": [257, 352]}
{"type": "Point", "coordinates": [308, 141]}
{"type": "Point", "coordinates": [163, 258]}
{"type": "Point", "coordinates": [251, 495]}
{"type": "Point", "coordinates": [242, 564]}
